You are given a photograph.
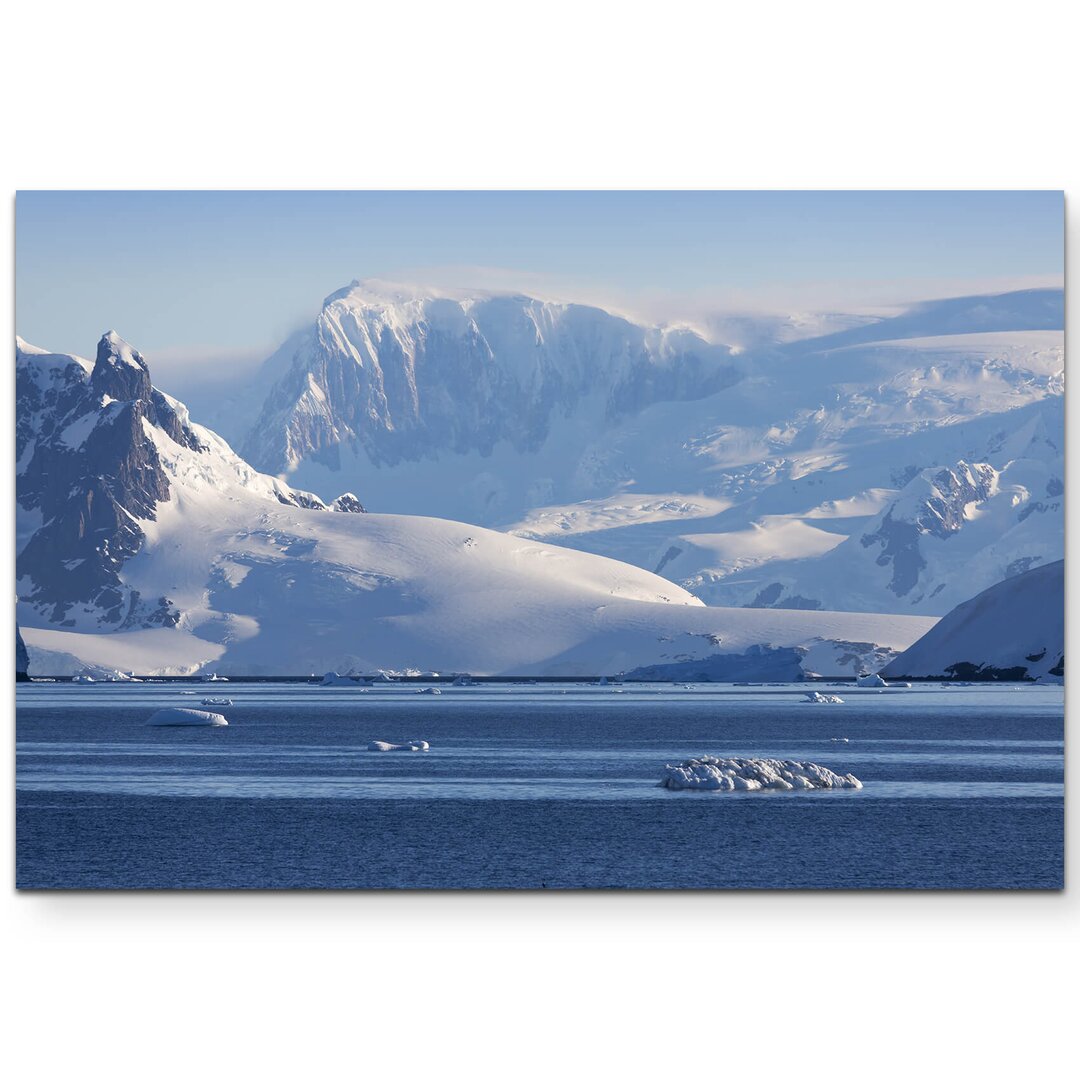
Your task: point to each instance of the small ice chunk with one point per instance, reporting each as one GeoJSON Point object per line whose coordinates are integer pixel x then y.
{"type": "Point", "coordinates": [817, 698]}
{"type": "Point", "coordinates": [752, 774]}
{"type": "Point", "coordinates": [413, 744]}
{"type": "Point", "coordinates": [429, 690]}
{"type": "Point", "coordinates": [870, 680]}
{"type": "Point", "coordinates": [186, 718]}
{"type": "Point", "coordinates": [217, 701]}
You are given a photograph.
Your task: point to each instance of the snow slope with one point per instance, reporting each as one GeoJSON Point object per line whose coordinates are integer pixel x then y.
{"type": "Point", "coordinates": [203, 562]}
{"type": "Point", "coordinates": [1014, 629]}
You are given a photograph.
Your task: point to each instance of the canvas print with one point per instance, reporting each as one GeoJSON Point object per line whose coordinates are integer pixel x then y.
{"type": "Point", "coordinates": [539, 540]}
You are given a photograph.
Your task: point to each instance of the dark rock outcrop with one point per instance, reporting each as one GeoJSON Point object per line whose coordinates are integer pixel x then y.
{"type": "Point", "coordinates": [22, 658]}
{"type": "Point", "coordinates": [93, 473]}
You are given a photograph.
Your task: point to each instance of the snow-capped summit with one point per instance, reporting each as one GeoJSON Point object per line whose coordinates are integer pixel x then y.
{"type": "Point", "coordinates": [390, 374]}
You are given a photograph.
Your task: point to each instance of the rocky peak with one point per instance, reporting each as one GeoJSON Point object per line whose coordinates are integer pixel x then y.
{"type": "Point", "coordinates": [348, 503]}
{"type": "Point", "coordinates": [120, 372]}
{"type": "Point", "coordinates": [99, 451]}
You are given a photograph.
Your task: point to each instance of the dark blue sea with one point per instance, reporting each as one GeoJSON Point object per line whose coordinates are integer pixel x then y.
{"type": "Point", "coordinates": [531, 787]}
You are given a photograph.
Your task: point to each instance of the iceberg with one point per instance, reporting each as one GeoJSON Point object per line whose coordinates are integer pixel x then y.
{"type": "Point", "coordinates": [217, 701]}
{"type": "Point", "coordinates": [332, 678]}
{"type": "Point", "coordinates": [413, 744]}
{"type": "Point", "coordinates": [752, 774]}
{"type": "Point", "coordinates": [186, 718]}
{"type": "Point", "coordinates": [870, 680]}
{"type": "Point", "coordinates": [817, 698]}
{"type": "Point", "coordinates": [429, 690]}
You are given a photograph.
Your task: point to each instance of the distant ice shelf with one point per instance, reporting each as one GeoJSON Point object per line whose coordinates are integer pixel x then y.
{"type": "Point", "coordinates": [752, 774]}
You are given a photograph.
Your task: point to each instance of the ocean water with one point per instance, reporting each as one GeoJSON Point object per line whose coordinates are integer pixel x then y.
{"type": "Point", "coordinates": [535, 786]}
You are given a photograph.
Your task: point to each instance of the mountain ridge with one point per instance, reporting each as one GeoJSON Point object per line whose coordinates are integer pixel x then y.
{"type": "Point", "coordinates": [197, 561]}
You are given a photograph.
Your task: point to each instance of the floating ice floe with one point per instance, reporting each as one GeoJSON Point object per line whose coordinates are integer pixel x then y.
{"type": "Point", "coordinates": [98, 674]}
{"type": "Point", "coordinates": [186, 718]}
{"type": "Point", "coordinates": [752, 774]}
{"type": "Point", "coordinates": [870, 680]}
{"type": "Point", "coordinates": [332, 678]}
{"type": "Point", "coordinates": [815, 697]}
{"type": "Point", "coordinates": [217, 701]}
{"type": "Point", "coordinates": [429, 690]}
{"type": "Point", "coordinates": [413, 744]}
{"type": "Point", "coordinates": [212, 677]}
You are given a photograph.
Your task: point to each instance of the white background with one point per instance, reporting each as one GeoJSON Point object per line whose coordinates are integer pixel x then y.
{"type": "Point", "coordinates": [470, 94]}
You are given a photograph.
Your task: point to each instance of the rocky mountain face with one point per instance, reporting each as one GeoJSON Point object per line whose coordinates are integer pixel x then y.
{"type": "Point", "coordinates": [93, 445]}
{"type": "Point", "coordinates": [938, 507]}
{"type": "Point", "coordinates": [22, 658]}
{"type": "Point", "coordinates": [398, 376]}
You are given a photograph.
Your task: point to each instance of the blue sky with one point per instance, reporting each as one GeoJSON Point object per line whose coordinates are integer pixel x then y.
{"type": "Point", "coordinates": [208, 274]}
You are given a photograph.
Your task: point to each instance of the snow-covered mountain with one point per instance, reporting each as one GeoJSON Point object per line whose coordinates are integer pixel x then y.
{"type": "Point", "coordinates": [950, 530]}
{"type": "Point", "coordinates": [399, 376]}
{"type": "Point", "coordinates": [95, 447]}
{"type": "Point", "coordinates": [146, 543]}
{"type": "Point", "coordinates": [894, 464]}
{"type": "Point", "coordinates": [1013, 630]}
